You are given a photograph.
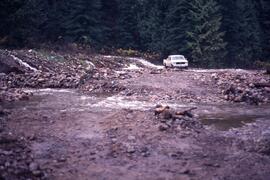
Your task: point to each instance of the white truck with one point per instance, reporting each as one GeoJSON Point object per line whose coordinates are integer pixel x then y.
{"type": "Point", "coordinates": [176, 61]}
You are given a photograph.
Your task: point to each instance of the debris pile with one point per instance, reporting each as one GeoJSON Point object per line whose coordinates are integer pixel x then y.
{"type": "Point", "coordinates": [251, 88]}
{"type": "Point", "coordinates": [170, 118]}
{"type": "Point", "coordinates": [9, 95]}
{"type": "Point", "coordinates": [49, 69]}
{"type": "Point", "coordinates": [41, 80]}
{"type": "Point", "coordinates": [101, 81]}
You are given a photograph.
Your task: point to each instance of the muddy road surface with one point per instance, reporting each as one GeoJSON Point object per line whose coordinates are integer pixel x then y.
{"type": "Point", "coordinates": [70, 134]}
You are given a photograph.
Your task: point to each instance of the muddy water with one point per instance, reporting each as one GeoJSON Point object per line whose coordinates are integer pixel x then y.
{"type": "Point", "coordinates": [221, 117]}
{"type": "Point", "coordinates": [226, 117]}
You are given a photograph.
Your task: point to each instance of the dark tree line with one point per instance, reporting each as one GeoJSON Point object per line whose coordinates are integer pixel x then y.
{"type": "Point", "coordinates": [208, 32]}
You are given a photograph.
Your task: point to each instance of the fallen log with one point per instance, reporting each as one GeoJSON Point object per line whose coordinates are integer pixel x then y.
{"type": "Point", "coordinates": [262, 85]}
{"type": "Point", "coordinates": [167, 113]}
{"type": "Point", "coordinates": [160, 109]}
{"type": "Point", "coordinates": [186, 112]}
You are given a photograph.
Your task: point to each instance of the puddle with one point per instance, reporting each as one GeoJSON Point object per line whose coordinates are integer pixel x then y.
{"type": "Point", "coordinates": [227, 117]}
{"type": "Point", "coordinates": [227, 123]}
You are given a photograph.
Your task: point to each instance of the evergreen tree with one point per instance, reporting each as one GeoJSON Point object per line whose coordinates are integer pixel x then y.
{"type": "Point", "coordinates": [83, 23]}
{"type": "Point", "coordinates": [56, 12]}
{"type": "Point", "coordinates": [264, 19]}
{"type": "Point", "coordinates": [205, 39]}
{"type": "Point", "coordinates": [20, 19]}
{"type": "Point", "coordinates": [177, 28]}
{"type": "Point", "coordinates": [109, 19]}
{"type": "Point", "coordinates": [154, 26]}
{"type": "Point", "coordinates": [127, 25]}
{"type": "Point", "coordinates": [243, 32]}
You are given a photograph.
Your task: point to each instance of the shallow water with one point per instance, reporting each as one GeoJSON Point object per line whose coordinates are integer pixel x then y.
{"type": "Point", "coordinates": [227, 123]}
{"type": "Point", "coordinates": [226, 117]}
{"type": "Point", "coordinates": [221, 117]}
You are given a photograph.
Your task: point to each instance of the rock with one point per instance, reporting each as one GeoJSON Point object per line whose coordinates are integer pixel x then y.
{"type": "Point", "coordinates": [238, 99]}
{"type": "Point", "coordinates": [169, 122]}
{"type": "Point", "coordinates": [6, 153]}
{"type": "Point", "coordinates": [130, 149]}
{"type": "Point", "coordinates": [129, 116]}
{"type": "Point", "coordinates": [37, 173]}
{"type": "Point", "coordinates": [163, 127]}
{"type": "Point", "coordinates": [114, 140]}
{"type": "Point", "coordinates": [145, 152]}
{"type": "Point", "coordinates": [263, 143]}
{"type": "Point", "coordinates": [251, 85]}
{"type": "Point", "coordinates": [131, 138]}
{"type": "Point", "coordinates": [2, 111]}
{"type": "Point", "coordinates": [267, 89]}
{"type": "Point", "coordinates": [7, 164]}
{"type": "Point", "coordinates": [226, 97]}
{"type": "Point", "coordinates": [40, 80]}
{"type": "Point", "coordinates": [184, 171]}
{"type": "Point", "coordinates": [33, 166]}
{"type": "Point", "coordinates": [211, 164]}
{"type": "Point", "coordinates": [166, 114]}
{"type": "Point", "coordinates": [62, 159]}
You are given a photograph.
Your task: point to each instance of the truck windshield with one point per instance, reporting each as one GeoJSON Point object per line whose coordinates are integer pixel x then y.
{"type": "Point", "coordinates": [178, 58]}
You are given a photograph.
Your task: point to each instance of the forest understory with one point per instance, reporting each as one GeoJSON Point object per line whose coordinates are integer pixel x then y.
{"type": "Point", "coordinates": [67, 115]}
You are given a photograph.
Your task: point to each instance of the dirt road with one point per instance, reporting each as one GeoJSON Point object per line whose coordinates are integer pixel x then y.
{"type": "Point", "coordinates": [73, 135]}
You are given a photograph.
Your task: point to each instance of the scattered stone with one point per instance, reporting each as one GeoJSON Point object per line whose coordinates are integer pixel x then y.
{"type": "Point", "coordinates": [130, 149]}
{"type": "Point", "coordinates": [245, 87]}
{"type": "Point", "coordinates": [263, 143]}
{"type": "Point", "coordinates": [211, 164]}
{"type": "Point", "coordinates": [37, 173]}
{"type": "Point", "coordinates": [114, 140]}
{"type": "Point", "coordinates": [184, 171]}
{"type": "Point", "coordinates": [163, 127]}
{"type": "Point", "coordinates": [145, 152]}
{"type": "Point", "coordinates": [131, 138]}
{"type": "Point", "coordinates": [62, 159]}
{"type": "Point", "coordinates": [33, 166]}
{"type": "Point", "coordinates": [129, 116]}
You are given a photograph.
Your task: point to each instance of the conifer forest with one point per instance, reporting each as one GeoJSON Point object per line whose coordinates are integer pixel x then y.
{"type": "Point", "coordinates": [209, 32]}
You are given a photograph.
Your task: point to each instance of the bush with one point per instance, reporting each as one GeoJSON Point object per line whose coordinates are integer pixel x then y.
{"type": "Point", "coordinates": [263, 65]}
{"type": "Point", "coordinates": [129, 52]}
